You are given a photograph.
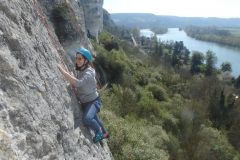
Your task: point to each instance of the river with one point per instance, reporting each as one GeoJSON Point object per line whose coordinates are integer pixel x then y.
{"type": "Point", "coordinates": [224, 53]}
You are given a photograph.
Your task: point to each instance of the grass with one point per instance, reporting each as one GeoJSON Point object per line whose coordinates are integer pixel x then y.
{"type": "Point", "coordinates": [234, 31]}
{"type": "Point", "coordinates": [139, 19]}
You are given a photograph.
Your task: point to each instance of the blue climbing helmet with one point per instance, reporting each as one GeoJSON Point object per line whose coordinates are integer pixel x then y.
{"type": "Point", "coordinates": [86, 53]}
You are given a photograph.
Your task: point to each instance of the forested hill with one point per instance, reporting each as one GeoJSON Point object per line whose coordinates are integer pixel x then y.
{"type": "Point", "coordinates": [146, 20]}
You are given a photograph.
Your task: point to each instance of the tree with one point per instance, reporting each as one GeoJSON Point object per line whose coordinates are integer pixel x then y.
{"type": "Point", "coordinates": [213, 145]}
{"type": "Point", "coordinates": [158, 48]}
{"type": "Point", "coordinates": [211, 60]}
{"type": "Point", "coordinates": [196, 60]}
{"type": "Point", "coordinates": [177, 52]}
{"type": "Point", "coordinates": [135, 31]}
{"type": "Point", "coordinates": [226, 66]}
{"type": "Point", "coordinates": [160, 51]}
{"type": "Point", "coordinates": [158, 92]}
{"type": "Point", "coordinates": [186, 54]}
{"type": "Point", "coordinates": [237, 83]}
{"type": "Point", "coordinates": [126, 99]}
{"type": "Point", "coordinates": [128, 32]}
{"type": "Point", "coordinates": [122, 33]}
{"type": "Point", "coordinates": [142, 40]}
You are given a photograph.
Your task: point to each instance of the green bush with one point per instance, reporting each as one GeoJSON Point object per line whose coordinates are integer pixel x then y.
{"type": "Point", "coordinates": [108, 41]}
{"type": "Point", "coordinates": [237, 82]}
{"type": "Point", "coordinates": [170, 124]}
{"type": "Point", "coordinates": [126, 99]}
{"type": "Point", "coordinates": [157, 76]}
{"type": "Point", "coordinates": [153, 80]}
{"type": "Point", "coordinates": [60, 13]}
{"type": "Point", "coordinates": [141, 78]}
{"type": "Point", "coordinates": [175, 103]}
{"type": "Point", "coordinates": [173, 147]}
{"type": "Point", "coordinates": [144, 141]}
{"type": "Point", "coordinates": [213, 145]}
{"type": "Point", "coordinates": [158, 92]}
{"type": "Point", "coordinates": [147, 107]}
{"type": "Point", "coordinates": [138, 62]}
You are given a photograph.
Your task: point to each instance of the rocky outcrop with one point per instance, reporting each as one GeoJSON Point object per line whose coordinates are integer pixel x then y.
{"type": "Point", "coordinates": [39, 113]}
{"type": "Point", "coordinates": [107, 21]}
{"type": "Point", "coordinates": [64, 26]}
{"type": "Point", "coordinates": [93, 16]}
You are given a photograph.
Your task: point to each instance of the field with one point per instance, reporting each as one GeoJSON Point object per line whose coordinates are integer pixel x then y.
{"type": "Point", "coordinates": [234, 31]}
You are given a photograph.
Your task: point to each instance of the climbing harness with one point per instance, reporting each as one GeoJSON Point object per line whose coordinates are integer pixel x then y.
{"type": "Point", "coordinates": [91, 63]}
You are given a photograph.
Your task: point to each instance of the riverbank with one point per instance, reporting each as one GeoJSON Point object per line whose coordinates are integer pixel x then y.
{"type": "Point", "coordinates": [224, 53]}
{"type": "Point", "coordinates": [212, 34]}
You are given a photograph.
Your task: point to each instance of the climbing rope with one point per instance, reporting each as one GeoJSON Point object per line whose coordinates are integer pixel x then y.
{"type": "Point", "coordinates": [100, 83]}
{"type": "Point", "coordinates": [50, 35]}
{"type": "Point", "coordinates": [91, 63]}
{"type": "Point", "coordinates": [75, 91]}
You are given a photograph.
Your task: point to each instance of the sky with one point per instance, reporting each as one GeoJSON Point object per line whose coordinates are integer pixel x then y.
{"type": "Point", "coordinates": [182, 8]}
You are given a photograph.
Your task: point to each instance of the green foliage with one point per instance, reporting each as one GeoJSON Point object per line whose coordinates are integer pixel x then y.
{"type": "Point", "coordinates": [169, 79]}
{"type": "Point", "coordinates": [112, 63]}
{"type": "Point", "coordinates": [226, 66]}
{"type": "Point", "coordinates": [125, 98]}
{"type": "Point", "coordinates": [162, 111]}
{"type": "Point", "coordinates": [237, 82]}
{"type": "Point", "coordinates": [144, 141]}
{"type": "Point", "coordinates": [61, 13]}
{"type": "Point", "coordinates": [214, 145]}
{"type": "Point", "coordinates": [147, 106]}
{"type": "Point", "coordinates": [211, 60]}
{"type": "Point", "coordinates": [212, 34]}
{"type": "Point", "coordinates": [234, 31]}
{"type": "Point", "coordinates": [217, 108]}
{"type": "Point", "coordinates": [157, 76]}
{"type": "Point", "coordinates": [173, 147]}
{"type": "Point", "coordinates": [234, 131]}
{"type": "Point", "coordinates": [196, 62]}
{"type": "Point", "coordinates": [170, 123]}
{"type": "Point", "coordinates": [159, 30]}
{"type": "Point", "coordinates": [158, 92]}
{"type": "Point", "coordinates": [106, 41]}
{"type": "Point", "coordinates": [135, 31]}
{"type": "Point", "coordinates": [141, 78]}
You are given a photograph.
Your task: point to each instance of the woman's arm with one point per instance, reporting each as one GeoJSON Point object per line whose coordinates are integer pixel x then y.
{"type": "Point", "coordinates": [69, 77]}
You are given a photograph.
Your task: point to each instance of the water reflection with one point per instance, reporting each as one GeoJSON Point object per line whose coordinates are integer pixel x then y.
{"type": "Point", "coordinates": [224, 53]}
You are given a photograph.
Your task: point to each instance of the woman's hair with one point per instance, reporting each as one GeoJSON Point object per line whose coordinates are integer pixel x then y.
{"type": "Point", "coordinates": [85, 66]}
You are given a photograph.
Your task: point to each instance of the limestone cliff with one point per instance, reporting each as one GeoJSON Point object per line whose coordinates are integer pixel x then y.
{"type": "Point", "coordinates": [39, 113]}
{"type": "Point", "coordinates": [93, 16]}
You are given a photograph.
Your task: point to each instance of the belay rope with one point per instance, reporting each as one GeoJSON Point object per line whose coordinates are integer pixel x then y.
{"type": "Point", "coordinates": [91, 63]}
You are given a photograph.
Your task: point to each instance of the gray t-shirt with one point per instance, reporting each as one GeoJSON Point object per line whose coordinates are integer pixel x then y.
{"type": "Point", "coordinates": [86, 85]}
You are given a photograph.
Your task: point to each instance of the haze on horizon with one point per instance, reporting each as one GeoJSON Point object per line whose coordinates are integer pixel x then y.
{"type": "Point", "coordinates": [183, 8]}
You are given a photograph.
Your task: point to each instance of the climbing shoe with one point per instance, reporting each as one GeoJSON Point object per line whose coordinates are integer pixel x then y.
{"type": "Point", "coordinates": [108, 136]}
{"type": "Point", "coordinates": [97, 137]}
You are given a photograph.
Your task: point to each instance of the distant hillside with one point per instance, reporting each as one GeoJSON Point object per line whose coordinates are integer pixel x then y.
{"type": "Point", "coordinates": [147, 20]}
{"type": "Point", "coordinates": [107, 21]}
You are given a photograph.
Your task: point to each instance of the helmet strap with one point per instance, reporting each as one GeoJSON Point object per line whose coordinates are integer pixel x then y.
{"type": "Point", "coordinates": [80, 68]}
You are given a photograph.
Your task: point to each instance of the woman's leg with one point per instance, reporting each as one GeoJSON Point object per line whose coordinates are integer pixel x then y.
{"type": "Point", "coordinates": [98, 104]}
{"type": "Point", "coordinates": [89, 117]}
{"type": "Point", "coordinates": [100, 123]}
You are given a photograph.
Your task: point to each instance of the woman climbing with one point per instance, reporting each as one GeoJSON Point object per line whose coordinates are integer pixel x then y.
{"type": "Point", "coordinates": [85, 83]}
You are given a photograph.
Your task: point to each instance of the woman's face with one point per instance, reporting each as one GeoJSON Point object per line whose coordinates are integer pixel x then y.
{"type": "Point", "coordinates": [80, 60]}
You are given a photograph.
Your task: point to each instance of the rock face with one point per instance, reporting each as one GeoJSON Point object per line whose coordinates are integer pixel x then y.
{"type": "Point", "coordinates": [39, 113]}
{"type": "Point", "coordinates": [93, 16]}
{"type": "Point", "coordinates": [107, 21]}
